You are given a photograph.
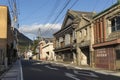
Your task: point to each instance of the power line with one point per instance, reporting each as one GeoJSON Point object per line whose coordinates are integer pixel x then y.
{"type": "Point", "coordinates": [58, 15]}
{"type": "Point", "coordinates": [52, 11]}
{"type": "Point", "coordinates": [107, 2]}
{"type": "Point", "coordinates": [95, 6]}
{"type": "Point", "coordinates": [74, 4]}
{"type": "Point", "coordinates": [10, 5]}
{"type": "Point", "coordinates": [54, 25]}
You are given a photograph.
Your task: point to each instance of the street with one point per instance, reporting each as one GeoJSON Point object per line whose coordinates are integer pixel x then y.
{"type": "Point", "coordinates": [38, 70]}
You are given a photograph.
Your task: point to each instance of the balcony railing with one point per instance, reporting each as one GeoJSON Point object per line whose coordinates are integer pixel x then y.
{"type": "Point", "coordinates": [71, 45]}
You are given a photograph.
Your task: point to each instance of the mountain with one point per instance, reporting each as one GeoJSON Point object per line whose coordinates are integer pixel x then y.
{"type": "Point", "coordinates": [23, 41]}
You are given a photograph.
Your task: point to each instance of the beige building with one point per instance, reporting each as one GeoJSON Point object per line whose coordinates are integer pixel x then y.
{"type": "Point", "coordinates": [84, 39]}
{"type": "Point", "coordinates": [72, 41]}
{"type": "Point", "coordinates": [6, 36]}
{"type": "Point", "coordinates": [65, 38]}
{"type": "Point", "coordinates": [46, 50]}
{"type": "Point", "coordinates": [42, 56]}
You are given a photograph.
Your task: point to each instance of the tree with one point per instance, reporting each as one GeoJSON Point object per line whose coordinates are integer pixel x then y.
{"type": "Point", "coordinates": [34, 46]}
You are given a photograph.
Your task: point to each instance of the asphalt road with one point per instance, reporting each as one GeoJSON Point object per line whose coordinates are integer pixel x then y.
{"type": "Point", "coordinates": [38, 70]}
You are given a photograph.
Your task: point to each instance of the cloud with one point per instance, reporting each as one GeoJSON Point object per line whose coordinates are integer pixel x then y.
{"type": "Point", "coordinates": [46, 30]}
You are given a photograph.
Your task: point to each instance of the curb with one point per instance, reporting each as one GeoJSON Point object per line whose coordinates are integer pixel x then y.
{"type": "Point", "coordinates": [117, 74]}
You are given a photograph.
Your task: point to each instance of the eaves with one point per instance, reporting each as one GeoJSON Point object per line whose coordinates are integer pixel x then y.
{"type": "Point", "coordinates": [106, 11]}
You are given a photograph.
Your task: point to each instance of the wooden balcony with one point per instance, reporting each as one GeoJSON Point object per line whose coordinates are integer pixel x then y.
{"type": "Point", "coordinates": [65, 47]}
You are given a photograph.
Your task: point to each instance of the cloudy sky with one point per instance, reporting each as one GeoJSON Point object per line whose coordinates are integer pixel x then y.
{"type": "Point", "coordinates": [48, 15]}
{"type": "Point", "coordinates": [45, 30]}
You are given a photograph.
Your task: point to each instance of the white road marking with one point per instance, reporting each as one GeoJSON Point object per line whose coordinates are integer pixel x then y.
{"type": "Point", "coordinates": [51, 67]}
{"type": "Point", "coordinates": [39, 63]}
{"type": "Point", "coordinates": [21, 72]}
{"type": "Point", "coordinates": [71, 76]}
{"type": "Point", "coordinates": [85, 73]}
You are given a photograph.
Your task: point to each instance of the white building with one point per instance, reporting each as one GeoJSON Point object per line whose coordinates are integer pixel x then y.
{"type": "Point", "coordinates": [46, 51]}
{"type": "Point", "coordinates": [29, 54]}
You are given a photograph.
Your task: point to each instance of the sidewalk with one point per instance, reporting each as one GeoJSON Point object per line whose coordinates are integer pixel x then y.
{"type": "Point", "coordinates": [15, 73]}
{"type": "Point", "coordinates": [106, 72]}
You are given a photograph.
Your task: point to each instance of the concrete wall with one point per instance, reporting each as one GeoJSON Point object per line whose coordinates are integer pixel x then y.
{"type": "Point", "coordinates": [3, 33]}
{"type": "Point", "coordinates": [3, 22]}
{"type": "Point", "coordinates": [6, 34]}
{"type": "Point", "coordinates": [47, 51]}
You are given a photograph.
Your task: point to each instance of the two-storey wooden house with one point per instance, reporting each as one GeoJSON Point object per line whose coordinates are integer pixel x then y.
{"type": "Point", "coordinates": [65, 38]}
{"type": "Point", "coordinates": [107, 38]}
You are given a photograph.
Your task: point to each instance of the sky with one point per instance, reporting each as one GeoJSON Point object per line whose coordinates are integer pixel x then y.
{"type": "Point", "coordinates": [45, 17]}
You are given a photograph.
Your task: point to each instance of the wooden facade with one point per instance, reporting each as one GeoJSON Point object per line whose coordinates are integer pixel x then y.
{"type": "Point", "coordinates": [93, 41]}
{"type": "Point", "coordinates": [106, 38]}
{"type": "Point", "coordinates": [65, 38]}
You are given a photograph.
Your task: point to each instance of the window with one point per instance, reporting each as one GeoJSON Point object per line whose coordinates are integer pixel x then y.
{"type": "Point", "coordinates": [62, 44]}
{"type": "Point", "coordinates": [115, 23]}
{"type": "Point", "coordinates": [67, 39]}
{"type": "Point", "coordinates": [118, 22]}
{"type": "Point", "coordinates": [117, 54]}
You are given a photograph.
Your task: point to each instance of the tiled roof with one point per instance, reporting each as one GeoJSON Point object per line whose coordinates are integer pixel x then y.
{"type": "Point", "coordinates": [81, 13]}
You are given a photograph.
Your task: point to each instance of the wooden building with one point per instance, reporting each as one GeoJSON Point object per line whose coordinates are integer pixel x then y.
{"type": "Point", "coordinates": [84, 39]}
{"type": "Point", "coordinates": [67, 40]}
{"type": "Point", "coordinates": [107, 38]}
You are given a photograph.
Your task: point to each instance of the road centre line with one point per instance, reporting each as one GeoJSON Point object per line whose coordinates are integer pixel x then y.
{"type": "Point", "coordinates": [85, 73]}
{"type": "Point", "coordinates": [51, 67]}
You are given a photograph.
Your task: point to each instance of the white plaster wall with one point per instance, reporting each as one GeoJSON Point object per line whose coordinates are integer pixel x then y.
{"type": "Point", "coordinates": [48, 48]}
{"type": "Point", "coordinates": [57, 44]}
{"type": "Point", "coordinates": [83, 59]}
{"type": "Point", "coordinates": [67, 39]}
{"type": "Point", "coordinates": [60, 40]}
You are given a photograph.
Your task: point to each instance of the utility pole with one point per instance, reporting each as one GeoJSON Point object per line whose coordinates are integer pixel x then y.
{"type": "Point", "coordinates": [15, 25]}
{"type": "Point", "coordinates": [15, 15]}
{"type": "Point", "coordinates": [39, 35]}
{"type": "Point", "coordinates": [40, 39]}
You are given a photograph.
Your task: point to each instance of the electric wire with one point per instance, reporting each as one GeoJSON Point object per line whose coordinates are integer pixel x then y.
{"type": "Point", "coordinates": [58, 15]}
{"type": "Point", "coordinates": [10, 5]}
{"type": "Point", "coordinates": [53, 10]}
{"type": "Point", "coordinates": [107, 2]}
{"type": "Point", "coordinates": [94, 7]}
{"type": "Point", "coordinates": [54, 25]}
{"type": "Point", "coordinates": [57, 3]}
